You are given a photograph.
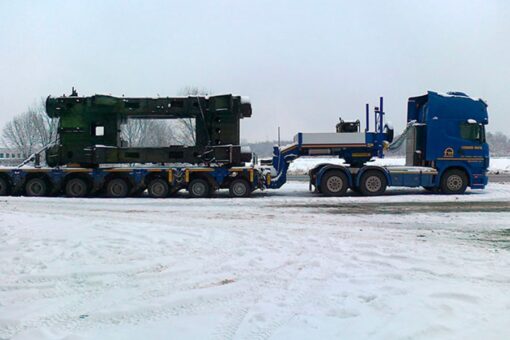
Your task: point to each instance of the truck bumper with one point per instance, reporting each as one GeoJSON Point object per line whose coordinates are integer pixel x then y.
{"type": "Point", "coordinates": [479, 181]}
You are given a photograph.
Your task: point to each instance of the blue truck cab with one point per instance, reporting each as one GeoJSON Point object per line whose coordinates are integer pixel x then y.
{"type": "Point", "coordinates": [447, 133]}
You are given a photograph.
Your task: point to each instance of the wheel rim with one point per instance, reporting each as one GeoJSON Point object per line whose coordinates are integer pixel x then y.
{"type": "Point", "coordinates": [334, 184]}
{"type": "Point", "coordinates": [36, 188]}
{"type": "Point", "coordinates": [239, 189]}
{"type": "Point", "coordinates": [77, 188]}
{"type": "Point", "coordinates": [117, 189]}
{"type": "Point", "coordinates": [198, 189]}
{"type": "Point", "coordinates": [3, 187]}
{"type": "Point", "coordinates": [454, 183]}
{"type": "Point", "coordinates": [158, 189]}
{"type": "Point", "coordinates": [373, 184]}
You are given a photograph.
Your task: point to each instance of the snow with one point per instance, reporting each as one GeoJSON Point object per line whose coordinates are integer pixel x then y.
{"type": "Point", "coordinates": [304, 164]}
{"type": "Point", "coordinates": [499, 165]}
{"type": "Point", "coordinates": [281, 265]}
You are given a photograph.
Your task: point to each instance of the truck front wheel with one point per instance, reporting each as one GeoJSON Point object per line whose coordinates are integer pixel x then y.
{"type": "Point", "coordinates": [454, 182]}
{"type": "Point", "coordinates": [373, 183]}
{"type": "Point", "coordinates": [334, 183]}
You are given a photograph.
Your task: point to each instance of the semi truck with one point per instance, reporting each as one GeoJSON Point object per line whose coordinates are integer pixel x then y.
{"type": "Point", "coordinates": [446, 150]}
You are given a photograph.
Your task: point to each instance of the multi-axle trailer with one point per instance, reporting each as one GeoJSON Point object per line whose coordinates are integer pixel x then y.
{"type": "Point", "coordinates": [445, 142]}
{"type": "Point", "coordinates": [117, 182]}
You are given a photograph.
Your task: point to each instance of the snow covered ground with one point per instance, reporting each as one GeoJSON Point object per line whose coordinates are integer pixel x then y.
{"type": "Point", "coordinates": [301, 165]}
{"type": "Point", "coordinates": [281, 265]}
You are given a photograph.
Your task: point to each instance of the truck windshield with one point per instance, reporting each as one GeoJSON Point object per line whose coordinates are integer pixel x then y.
{"type": "Point", "coordinates": [473, 132]}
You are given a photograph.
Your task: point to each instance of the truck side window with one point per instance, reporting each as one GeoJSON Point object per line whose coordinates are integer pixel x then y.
{"type": "Point", "coordinates": [471, 132]}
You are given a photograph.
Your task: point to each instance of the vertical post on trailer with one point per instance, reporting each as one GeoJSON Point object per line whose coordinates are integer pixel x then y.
{"type": "Point", "coordinates": [381, 113]}
{"type": "Point", "coordinates": [376, 120]}
{"type": "Point", "coordinates": [367, 110]}
{"type": "Point", "coordinates": [381, 122]}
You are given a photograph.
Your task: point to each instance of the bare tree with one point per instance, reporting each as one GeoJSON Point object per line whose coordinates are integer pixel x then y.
{"type": "Point", "coordinates": [30, 131]}
{"type": "Point", "coordinates": [148, 132]}
{"type": "Point", "coordinates": [499, 144]}
{"type": "Point", "coordinates": [162, 132]}
{"type": "Point", "coordinates": [187, 126]}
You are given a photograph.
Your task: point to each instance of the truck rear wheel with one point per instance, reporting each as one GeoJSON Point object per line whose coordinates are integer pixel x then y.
{"type": "Point", "coordinates": [117, 188]}
{"type": "Point", "coordinates": [36, 187]}
{"type": "Point", "coordinates": [334, 183]}
{"type": "Point", "coordinates": [373, 183]}
{"type": "Point", "coordinates": [76, 187]}
{"type": "Point", "coordinates": [4, 187]}
{"type": "Point", "coordinates": [239, 188]}
{"type": "Point", "coordinates": [199, 188]}
{"type": "Point", "coordinates": [158, 188]}
{"type": "Point", "coordinates": [454, 182]}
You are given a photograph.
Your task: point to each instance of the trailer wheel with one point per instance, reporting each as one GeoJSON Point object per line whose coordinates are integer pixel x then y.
{"type": "Point", "coordinates": [239, 188]}
{"type": "Point", "coordinates": [454, 182]}
{"type": "Point", "coordinates": [334, 183]}
{"type": "Point", "coordinates": [76, 187]}
{"type": "Point", "coordinates": [117, 188]}
{"type": "Point", "coordinates": [199, 188]}
{"type": "Point", "coordinates": [4, 187]}
{"type": "Point", "coordinates": [36, 187]}
{"type": "Point", "coordinates": [373, 183]}
{"type": "Point", "coordinates": [158, 188]}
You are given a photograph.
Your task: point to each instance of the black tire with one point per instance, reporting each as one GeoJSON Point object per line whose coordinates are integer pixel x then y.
{"type": "Point", "coordinates": [432, 189]}
{"type": "Point", "coordinates": [373, 183]}
{"type": "Point", "coordinates": [4, 187]}
{"type": "Point", "coordinates": [137, 193]}
{"type": "Point", "coordinates": [117, 188]}
{"type": "Point", "coordinates": [76, 187]}
{"type": "Point", "coordinates": [334, 183]}
{"type": "Point", "coordinates": [239, 188]}
{"type": "Point", "coordinates": [36, 187]}
{"type": "Point", "coordinates": [199, 188]}
{"type": "Point", "coordinates": [158, 188]}
{"type": "Point", "coordinates": [356, 189]}
{"type": "Point", "coordinates": [454, 182]}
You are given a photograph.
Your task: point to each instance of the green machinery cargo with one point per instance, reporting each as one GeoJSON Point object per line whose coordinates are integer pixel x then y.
{"type": "Point", "coordinates": [89, 131]}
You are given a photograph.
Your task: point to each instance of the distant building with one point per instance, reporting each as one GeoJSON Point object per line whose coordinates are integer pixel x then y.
{"type": "Point", "coordinates": [10, 156]}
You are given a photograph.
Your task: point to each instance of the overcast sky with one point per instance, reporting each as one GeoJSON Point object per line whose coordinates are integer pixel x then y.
{"type": "Point", "coordinates": [302, 63]}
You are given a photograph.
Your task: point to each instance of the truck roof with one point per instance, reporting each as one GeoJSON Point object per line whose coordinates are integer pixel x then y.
{"type": "Point", "coordinates": [451, 105]}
